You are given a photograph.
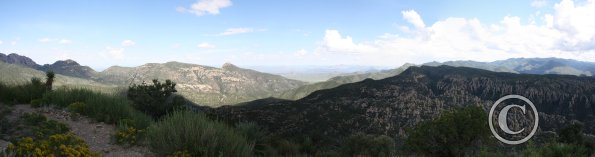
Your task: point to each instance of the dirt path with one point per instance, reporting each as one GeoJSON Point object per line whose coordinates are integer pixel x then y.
{"type": "Point", "coordinates": [97, 135]}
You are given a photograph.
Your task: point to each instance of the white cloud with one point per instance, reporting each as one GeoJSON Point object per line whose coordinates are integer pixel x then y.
{"type": "Point", "coordinates": [13, 43]}
{"type": "Point", "coordinates": [576, 24]}
{"type": "Point", "coordinates": [539, 3]}
{"type": "Point", "coordinates": [127, 43]}
{"type": "Point", "coordinates": [206, 45]}
{"type": "Point", "coordinates": [65, 41]}
{"type": "Point", "coordinates": [334, 42]}
{"type": "Point", "coordinates": [115, 53]}
{"type": "Point", "coordinates": [301, 52]}
{"type": "Point", "coordinates": [202, 7]}
{"type": "Point", "coordinates": [232, 31]}
{"type": "Point", "coordinates": [1, 42]}
{"type": "Point", "coordinates": [412, 17]}
{"type": "Point", "coordinates": [566, 33]}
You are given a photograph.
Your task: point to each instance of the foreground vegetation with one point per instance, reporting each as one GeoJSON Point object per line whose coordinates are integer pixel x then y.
{"type": "Point", "coordinates": [152, 115]}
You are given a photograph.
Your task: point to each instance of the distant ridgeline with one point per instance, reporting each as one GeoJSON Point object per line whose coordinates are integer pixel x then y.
{"type": "Point", "coordinates": [228, 85]}
{"type": "Point", "coordinates": [389, 106]}
{"type": "Point", "coordinates": [204, 85]}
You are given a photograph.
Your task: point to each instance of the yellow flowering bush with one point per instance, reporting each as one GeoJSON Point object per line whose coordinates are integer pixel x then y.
{"type": "Point", "coordinates": [77, 107]}
{"type": "Point", "coordinates": [128, 135]}
{"type": "Point", "coordinates": [58, 145]}
{"type": "Point", "coordinates": [184, 153]}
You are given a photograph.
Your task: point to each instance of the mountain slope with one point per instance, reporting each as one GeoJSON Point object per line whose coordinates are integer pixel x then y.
{"type": "Point", "coordinates": [69, 68]}
{"type": "Point", "coordinates": [303, 91]}
{"type": "Point", "coordinates": [14, 58]}
{"type": "Point", "coordinates": [390, 106]}
{"type": "Point", "coordinates": [203, 84]}
{"type": "Point", "coordinates": [12, 73]}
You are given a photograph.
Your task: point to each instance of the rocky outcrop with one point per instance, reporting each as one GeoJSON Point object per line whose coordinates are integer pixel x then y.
{"type": "Point", "coordinates": [392, 105]}
{"type": "Point", "coordinates": [70, 68]}
{"type": "Point", "coordinates": [205, 85]}
{"type": "Point", "coordinates": [19, 60]}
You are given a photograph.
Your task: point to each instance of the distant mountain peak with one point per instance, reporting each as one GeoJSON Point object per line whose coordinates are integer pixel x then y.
{"type": "Point", "coordinates": [229, 66]}
{"type": "Point", "coordinates": [14, 58]}
{"type": "Point", "coordinates": [67, 62]}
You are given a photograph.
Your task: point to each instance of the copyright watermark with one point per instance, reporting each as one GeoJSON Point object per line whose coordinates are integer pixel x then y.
{"type": "Point", "coordinates": [520, 132]}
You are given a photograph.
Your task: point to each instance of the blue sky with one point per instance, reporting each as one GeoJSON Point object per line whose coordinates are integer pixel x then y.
{"type": "Point", "coordinates": [330, 32]}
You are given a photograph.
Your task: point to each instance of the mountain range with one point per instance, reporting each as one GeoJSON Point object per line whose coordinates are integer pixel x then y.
{"type": "Point", "coordinates": [514, 65]}
{"type": "Point", "coordinates": [529, 66]}
{"type": "Point", "coordinates": [230, 84]}
{"type": "Point", "coordinates": [389, 106]}
{"type": "Point", "coordinates": [204, 85]}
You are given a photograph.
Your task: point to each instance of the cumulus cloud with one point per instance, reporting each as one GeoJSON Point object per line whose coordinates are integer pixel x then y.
{"type": "Point", "coordinates": [1, 42]}
{"type": "Point", "coordinates": [203, 7]}
{"type": "Point", "coordinates": [205, 45]}
{"type": "Point", "coordinates": [232, 31]}
{"type": "Point", "coordinates": [412, 17]}
{"type": "Point", "coordinates": [539, 3]}
{"type": "Point", "coordinates": [65, 41]}
{"type": "Point", "coordinates": [334, 42]}
{"type": "Point", "coordinates": [567, 33]}
{"type": "Point", "coordinates": [127, 43]}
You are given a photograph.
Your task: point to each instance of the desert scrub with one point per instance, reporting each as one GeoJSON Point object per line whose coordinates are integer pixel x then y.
{"type": "Point", "coordinates": [194, 132]}
{"type": "Point", "coordinates": [129, 135]}
{"type": "Point", "coordinates": [184, 153]}
{"type": "Point", "coordinates": [155, 100]}
{"type": "Point", "coordinates": [22, 93]}
{"type": "Point", "coordinates": [43, 127]}
{"type": "Point", "coordinates": [77, 107]}
{"type": "Point", "coordinates": [58, 145]}
{"type": "Point", "coordinates": [36, 103]}
{"type": "Point", "coordinates": [102, 107]}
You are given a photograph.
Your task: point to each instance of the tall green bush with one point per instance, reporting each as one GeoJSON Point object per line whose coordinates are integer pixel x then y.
{"type": "Point", "coordinates": [369, 145]}
{"type": "Point", "coordinates": [22, 93]}
{"type": "Point", "coordinates": [155, 100]}
{"type": "Point", "coordinates": [101, 107]}
{"type": "Point", "coordinates": [195, 133]}
{"type": "Point", "coordinates": [451, 134]}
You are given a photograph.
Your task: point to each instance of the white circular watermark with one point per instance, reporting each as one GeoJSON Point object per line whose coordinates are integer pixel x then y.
{"type": "Point", "coordinates": [503, 115]}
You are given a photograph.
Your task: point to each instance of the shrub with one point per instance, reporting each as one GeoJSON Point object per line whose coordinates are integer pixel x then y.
{"type": "Point", "coordinates": [194, 132]}
{"type": "Point", "coordinates": [42, 127]}
{"type": "Point", "coordinates": [36, 103]}
{"type": "Point", "coordinates": [554, 149]}
{"type": "Point", "coordinates": [369, 145]}
{"type": "Point", "coordinates": [78, 107]}
{"type": "Point", "coordinates": [251, 131]}
{"type": "Point", "coordinates": [63, 97]}
{"type": "Point", "coordinates": [128, 135]}
{"type": "Point", "coordinates": [155, 100]}
{"type": "Point", "coordinates": [184, 153]}
{"type": "Point", "coordinates": [59, 145]}
{"type": "Point", "coordinates": [22, 93]}
{"type": "Point", "coordinates": [573, 135]}
{"type": "Point", "coordinates": [101, 107]}
{"type": "Point", "coordinates": [451, 134]}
